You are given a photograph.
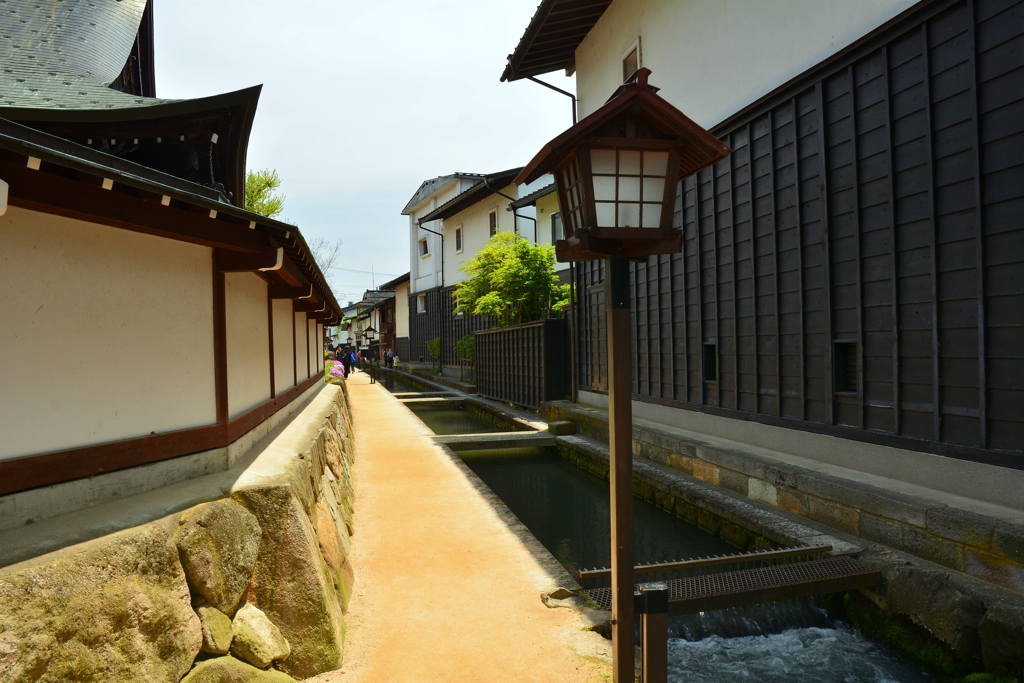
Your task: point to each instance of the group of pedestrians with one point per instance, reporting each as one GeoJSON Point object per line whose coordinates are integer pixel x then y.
{"type": "Point", "coordinates": [351, 359]}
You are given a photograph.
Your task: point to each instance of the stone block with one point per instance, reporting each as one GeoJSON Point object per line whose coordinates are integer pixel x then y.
{"type": "Point", "coordinates": [562, 428]}
{"type": "Point", "coordinates": [334, 552]}
{"type": "Point", "coordinates": [783, 475]}
{"type": "Point", "coordinates": [733, 481]}
{"type": "Point", "coordinates": [834, 515]}
{"type": "Point", "coordinates": [934, 548]}
{"type": "Point", "coordinates": [961, 526]}
{"type": "Point", "coordinates": [291, 582]}
{"type": "Point", "coordinates": [705, 472]}
{"type": "Point", "coordinates": [216, 628]}
{"type": "Point", "coordinates": [681, 463]}
{"type": "Point", "coordinates": [1001, 631]}
{"type": "Point", "coordinates": [749, 464]}
{"type": "Point", "coordinates": [231, 670]}
{"type": "Point", "coordinates": [1009, 540]}
{"type": "Point", "coordinates": [217, 544]}
{"type": "Point", "coordinates": [118, 612]}
{"type": "Point", "coordinates": [256, 639]}
{"type": "Point", "coordinates": [793, 501]}
{"type": "Point", "coordinates": [762, 490]}
{"type": "Point", "coordinates": [874, 500]}
{"type": "Point", "coordinates": [931, 601]}
{"type": "Point", "coordinates": [994, 569]}
{"type": "Point", "coordinates": [881, 530]}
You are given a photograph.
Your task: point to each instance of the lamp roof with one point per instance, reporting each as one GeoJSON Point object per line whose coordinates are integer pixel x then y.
{"type": "Point", "coordinates": [634, 103]}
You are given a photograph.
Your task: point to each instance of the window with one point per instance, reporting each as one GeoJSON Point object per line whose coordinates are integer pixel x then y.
{"type": "Point", "coordinates": [631, 60]}
{"type": "Point", "coordinates": [844, 367]}
{"type": "Point", "coordinates": [424, 248]}
{"type": "Point", "coordinates": [556, 228]}
{"type": "Point", "coordinates": [492, 222]}
{"type": "Point", "coordinates": [458, 240]}
{"type": "Point", "coordinates": [710, 362]}
{"type": "Point", "coordinates": [421, 303]}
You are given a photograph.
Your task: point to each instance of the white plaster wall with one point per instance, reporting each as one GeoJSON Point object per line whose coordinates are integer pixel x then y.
{"type": "Point", "coordinates": [105, 334]}
{"type": "Point", "coordinates": [312, 347]}
{"type": "Point", "coordinates": [475, 231]}
{"type": "Point", "coordinates": [425, 272]}
{"type": "Point", "coordinates": [711, 59]}
{"type": "Point", "coordinates": [546, 206]}
{"type": "Point", "coordinates": [248, 341]}
{"type": "Point", "coordinates": [319, 347]}
{"type": "Point", "coordinates": [402, 310]}
{"type": "Point", "coordinates": [301, 347]}
{"type": "Point", "coordinates": [284, 349]}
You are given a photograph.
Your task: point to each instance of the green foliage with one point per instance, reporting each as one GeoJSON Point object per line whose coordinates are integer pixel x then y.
{"type": "Point", "coordinates": [434, 347]}
{"type": "Point", "coordinates": [465, 348]}
{"type": "Point", "coordinates": [512, 281]}
{"type": "Point", "coordinates": [259, 193]}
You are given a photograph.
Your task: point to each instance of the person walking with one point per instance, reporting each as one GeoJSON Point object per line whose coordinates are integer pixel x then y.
{"type": "Point", "coordinates": [391, 358]}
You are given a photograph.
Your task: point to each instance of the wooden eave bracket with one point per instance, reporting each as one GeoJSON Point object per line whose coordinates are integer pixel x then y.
{"type": "Point", "coordinates": [235, 262]}
{"type": "Point", "coordinates": [289, 292]}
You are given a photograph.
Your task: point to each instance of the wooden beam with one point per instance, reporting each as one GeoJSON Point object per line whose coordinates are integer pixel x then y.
{"type": "Point", "coordinates": [235, 262]}
{"type": "Point", "coordinates": [53, 194]}
{"type": "Point", "coordinates": [288, 292]}
{"type": "Point", "coordinates": [309, 305]}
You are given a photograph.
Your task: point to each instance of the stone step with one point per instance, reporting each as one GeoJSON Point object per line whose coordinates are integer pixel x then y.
{"type": "Point", "coordinates": [473, 442]}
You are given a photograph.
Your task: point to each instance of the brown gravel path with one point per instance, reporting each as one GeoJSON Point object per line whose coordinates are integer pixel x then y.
{"type": "Point", "coordinates": [443, 590]}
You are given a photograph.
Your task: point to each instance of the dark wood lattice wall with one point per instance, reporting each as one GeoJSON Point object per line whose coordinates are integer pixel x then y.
{"type": "Point", "coordinates": [438, 321]}
{"type": "Point", "coordinates": [856, 266]}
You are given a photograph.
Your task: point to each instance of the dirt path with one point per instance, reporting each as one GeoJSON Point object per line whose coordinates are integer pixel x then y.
{"type": "Point", "coordinates": [443, 590]}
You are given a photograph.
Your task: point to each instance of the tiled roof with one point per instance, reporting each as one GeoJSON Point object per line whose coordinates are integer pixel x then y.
{"type": "Point", "coordinates": [488, 185]}
{"type": "Point", "coordinates": [63, 54]}
{"type": "Point", "coordinates": [532, 198]}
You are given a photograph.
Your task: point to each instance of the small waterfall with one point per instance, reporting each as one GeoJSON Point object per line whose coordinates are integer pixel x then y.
{"type": "Point", "coordinates": [757, 620]}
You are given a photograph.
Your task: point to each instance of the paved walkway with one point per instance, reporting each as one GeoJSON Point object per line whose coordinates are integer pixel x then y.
{"type": "Point", "coordinates": [443, 590]}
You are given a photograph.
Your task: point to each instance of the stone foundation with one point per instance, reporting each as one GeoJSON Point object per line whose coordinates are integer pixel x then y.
{"type": "Point", "coordinates": [253, 586]}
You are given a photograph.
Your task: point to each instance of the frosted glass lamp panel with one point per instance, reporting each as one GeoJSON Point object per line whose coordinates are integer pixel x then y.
{"type": "Point", "coordinates": [656, 163]}
{"type": "Point", "coordinates": [629, 189]}
{"type": "Point", "coordinates": [604, 188]}
{"type": "Point", "coordinates": [629, 215]}
{"type": "Point", "coordinates": [602, 161]}
{"type": "Point", "coordinates": [654, 189]}
{"type": "Point", "coordinates": [629, 162]}
{"type": "Point", "coordinates": [605, 214]}
{"type": "Point", "coordinates": [652, 215]}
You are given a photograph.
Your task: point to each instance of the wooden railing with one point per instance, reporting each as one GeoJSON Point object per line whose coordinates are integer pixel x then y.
{"type": "Point", "coordinates": [524, 364]}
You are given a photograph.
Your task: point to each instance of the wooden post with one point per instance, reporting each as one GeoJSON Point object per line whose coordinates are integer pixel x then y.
{"type": "Point", "coordinates": [621, 469]}
{"type": "Point", "coordinates": [654, 632]}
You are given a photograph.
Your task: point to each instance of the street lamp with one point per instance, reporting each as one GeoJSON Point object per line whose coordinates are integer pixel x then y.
{"type": "Point", "coordinates": [617, 173]}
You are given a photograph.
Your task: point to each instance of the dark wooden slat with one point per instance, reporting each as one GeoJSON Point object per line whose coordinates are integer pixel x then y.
{"type": "Point", "coordinates": [700, 292]}
{"type": "Point", "coordinates": [933, 241]}
{"type": "Point", "coordinates": [800, 256]}
{"type": "Point", "coordinates": [775, 260]}
{"type": "Point", "coordinates": [858, 230]}
{"type": "Point", "coordinates": [718, 290]}
{"type": "Point", "coordinates": [753, 267]}
{"type": "Point", "coordinates": [826, 233]}
{"type": "Point", "coordinates": [735, 278]}
{"type": "Point", "coordinates": [895, 251]}
{"type": "Point", "coordinates": [979, 235]}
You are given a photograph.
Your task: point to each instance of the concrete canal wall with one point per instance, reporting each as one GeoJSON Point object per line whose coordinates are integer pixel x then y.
{"type": "Point", "coordinates": [251, 584]}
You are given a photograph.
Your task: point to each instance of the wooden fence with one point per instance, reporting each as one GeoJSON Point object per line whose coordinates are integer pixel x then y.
{"type": "Point", "coordinates": [524, 364]}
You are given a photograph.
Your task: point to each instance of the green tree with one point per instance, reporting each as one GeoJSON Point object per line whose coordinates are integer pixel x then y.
{"type": "Point", "coordinates": [465, 348]}
{"type": "Point", "coordinates": [259, 193]}
{"type": "Point", "coordinates": [434, 348]}
{"type": "Point", "coordinates": [512, 281]}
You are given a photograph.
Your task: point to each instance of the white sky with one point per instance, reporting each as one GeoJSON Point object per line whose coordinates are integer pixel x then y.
{"type": "Point", "coordinates": [362, 101]}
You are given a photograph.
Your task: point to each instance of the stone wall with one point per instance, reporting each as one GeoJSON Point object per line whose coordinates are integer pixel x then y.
{"type": "Point", "coordinates": [251, 587]}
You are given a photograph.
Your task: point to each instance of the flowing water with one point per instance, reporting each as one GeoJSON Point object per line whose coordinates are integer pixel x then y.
{"type": "Point", "coordinates": [566, 508]}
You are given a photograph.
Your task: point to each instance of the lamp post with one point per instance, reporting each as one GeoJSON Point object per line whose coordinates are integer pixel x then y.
{"type": "Point", "coordinates": [617, 173]}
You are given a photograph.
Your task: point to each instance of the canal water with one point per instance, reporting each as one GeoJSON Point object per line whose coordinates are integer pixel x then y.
{"type": "Point", "coordinates": [566, 508]}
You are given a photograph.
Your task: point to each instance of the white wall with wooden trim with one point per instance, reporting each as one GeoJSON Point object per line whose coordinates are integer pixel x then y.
{"type": "Point", "coordinates": [711, 59]}
{"type": "Point", "coordinates": [301, 347]}
{"type": "Point", "coordinates": [284, 346]}
{"type": "Point", "coordinates": [106, 334]}
{"type": "Point", "coordinates": [248, 341]}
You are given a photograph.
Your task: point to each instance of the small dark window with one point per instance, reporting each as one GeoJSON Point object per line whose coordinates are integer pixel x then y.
{"type": "Point", "coordinates": [458, 239]}
{"type": "Point", "coordinates": [556, 228]}
{"type": "Point", "coordinates": [631, 63]}
{"type": "Point", "coordinates": [424, 248]}
{"type": "Point", "coordinates": [492, 219]}
{"type": "Point", "coordinates": [710, 362]}
{"type": "Point", "coordinates": [844, 367]}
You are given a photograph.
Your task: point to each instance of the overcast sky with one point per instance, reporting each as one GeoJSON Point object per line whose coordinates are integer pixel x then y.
{"type": "Point", "coordinates": [361, 102]}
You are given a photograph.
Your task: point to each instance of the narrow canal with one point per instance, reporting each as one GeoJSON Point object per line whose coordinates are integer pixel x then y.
{"type": "Point", "coordinates": [566, 508]}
